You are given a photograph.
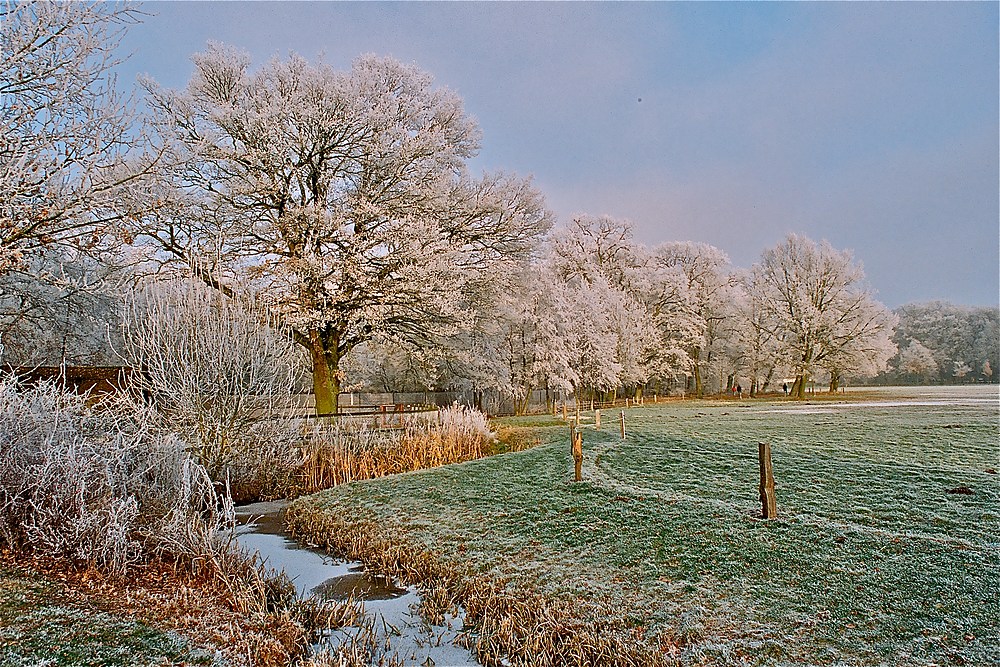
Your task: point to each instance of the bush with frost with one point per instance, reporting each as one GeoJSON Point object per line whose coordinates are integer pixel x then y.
{"type": "Point", "coordinates": [100, 483]}
{"type": "Point", "coordinates": [220, 370]}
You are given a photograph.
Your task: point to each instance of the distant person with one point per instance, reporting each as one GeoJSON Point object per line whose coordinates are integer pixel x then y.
{"type": "Point", "coordinates": [784, 387]}
{"type": "Point", "coordinates": [739, 390]}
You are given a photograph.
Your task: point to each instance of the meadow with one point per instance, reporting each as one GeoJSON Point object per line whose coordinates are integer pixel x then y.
{"type": "Point", "coordinates": [886, 549]}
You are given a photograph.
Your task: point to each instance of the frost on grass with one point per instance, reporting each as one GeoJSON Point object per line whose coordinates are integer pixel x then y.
{"type": "Point", "coordinates": [870, 562]}
{"type": "Point", "coordinates": [40, 626]}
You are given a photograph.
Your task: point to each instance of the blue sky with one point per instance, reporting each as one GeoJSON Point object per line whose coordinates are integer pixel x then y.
{"type": "Point", "coordinates": [873, 125]}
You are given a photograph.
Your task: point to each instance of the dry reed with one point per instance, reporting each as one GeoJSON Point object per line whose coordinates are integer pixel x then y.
{"type": "Point", "coordinates": [505, 624]}
{"type": "Point", "coordinates": [347, 451]}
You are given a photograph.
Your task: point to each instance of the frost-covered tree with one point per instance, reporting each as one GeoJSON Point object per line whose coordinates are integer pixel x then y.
{"type": "Point", "coordinates": [389, 365]}
{"type": "Point", "coordinates": [66, 130]}
{"type": "Point", "coordinates": [592, 335]}
{"type": "Point", "coordinates": [594, 247]}
{"type": "Point", "coordinates": [59, 307]}
{"type": "Point", "coordinates": [703, 301]}
{"type": "Point", "coordinates": [665, 293]}
{"type": "Point", "coordinates": [342, 197]}
{"type": "Point", "coordinates": [917, 359]}
{"type": "Point", "coordinates": [961, 338]}
{"type": "Point", "coordinates": [611, 333]}
{"type": "Point", "coordinates": [814, 298]}
{"type": "Point", "coordinates": [219, 370]}
{"type": "Point", "coordinates": [754, 335]}
{"type": "Point", "coordinates": [532, 339]}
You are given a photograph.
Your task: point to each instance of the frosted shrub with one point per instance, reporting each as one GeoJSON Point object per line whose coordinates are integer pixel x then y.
{"type": "Point", "coordinates": [221, 372]}
{"type": "Point", "coordinates": [464, 424]}
{"type": "Point", "coordinates": [99, 484]}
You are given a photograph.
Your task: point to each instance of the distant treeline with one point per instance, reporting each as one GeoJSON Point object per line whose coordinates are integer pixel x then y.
{"type": "Point", "coordinates": [940, 342]}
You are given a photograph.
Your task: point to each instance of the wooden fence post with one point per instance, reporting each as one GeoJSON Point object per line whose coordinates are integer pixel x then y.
{"type": "Point", "coordinates": [768, 503]}
{"type": "Point", "coordinates": [623, 424]}
{"type": "Point", "coordinates": [576, 436]}
{"type": "Point", "coordinates": [597, 419]}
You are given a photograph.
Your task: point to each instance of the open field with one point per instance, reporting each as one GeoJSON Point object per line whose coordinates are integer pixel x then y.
{"type": "Point", "coordinates": [871, 561]}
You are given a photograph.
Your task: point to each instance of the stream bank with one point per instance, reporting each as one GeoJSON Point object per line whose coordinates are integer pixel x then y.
{"type": "Point", "coordinates": [391, 626]}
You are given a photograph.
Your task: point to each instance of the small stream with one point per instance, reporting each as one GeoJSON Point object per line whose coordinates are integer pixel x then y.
{"type": "Point", "coordinates": [260, 528]}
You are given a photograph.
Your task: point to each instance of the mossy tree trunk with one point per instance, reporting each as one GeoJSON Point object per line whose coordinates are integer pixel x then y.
{"type": "Point", "coordinates": [325, 353]}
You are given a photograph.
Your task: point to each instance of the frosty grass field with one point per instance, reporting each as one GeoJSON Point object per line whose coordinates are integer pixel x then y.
{"type": "Point", "coordinates": [871, 560]}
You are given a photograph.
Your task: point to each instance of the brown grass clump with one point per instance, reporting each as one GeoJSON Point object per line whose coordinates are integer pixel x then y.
{"type": "Point", "coordinates": [347, 451]}
{"type": "Point", "coordinates": [505, 624]}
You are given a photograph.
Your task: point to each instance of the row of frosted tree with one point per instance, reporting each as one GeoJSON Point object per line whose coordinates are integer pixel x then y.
{"type": "Point", "coordinates": [596, 314]}
{"type": "Point", "coordinates": [941, 342]}
{"type": "Point", "coordinates": [339, 203]}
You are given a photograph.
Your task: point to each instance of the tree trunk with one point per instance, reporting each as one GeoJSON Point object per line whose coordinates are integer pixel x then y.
{"type": "Point", "coordinates": [767, 380]}
{"type": "Point", "coordinates": [834, 382]}
{"type": "Point", "coordinates": [326, 379]}
{"type": "Point", "coordinates": [799, 387]}
{"type": "Point", "coordinates": [699, 390]}
{"type": "Point", "coordinates": [521, 403]}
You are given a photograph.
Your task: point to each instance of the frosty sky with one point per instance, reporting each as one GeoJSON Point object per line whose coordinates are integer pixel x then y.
{"type": "Point", "coordinates": [874, 126]}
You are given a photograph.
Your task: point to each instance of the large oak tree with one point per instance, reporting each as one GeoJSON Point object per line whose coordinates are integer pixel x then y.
{"type": "Point", "coordinates": [819, 311]}
{"type": "Point", "coordinates": [341, 197]}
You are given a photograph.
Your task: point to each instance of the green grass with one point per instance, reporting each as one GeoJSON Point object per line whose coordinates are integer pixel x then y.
{"type": "Point", "coordinates": [869, 562]}
{"type": "Point", "coordinates": [40, 626]}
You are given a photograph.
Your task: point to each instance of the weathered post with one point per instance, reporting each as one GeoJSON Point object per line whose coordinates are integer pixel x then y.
{"type": "Point", "coordinates": [768, 502]}
{"type": "Point", "coordinates": [597, 419]}
{"type": "Point", "coordinates": [623, 424]}
{"type": "Point", "coordinates": [576, 435]}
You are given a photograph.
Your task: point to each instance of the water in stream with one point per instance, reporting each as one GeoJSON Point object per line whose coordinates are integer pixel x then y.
{"type": "Point", "coordinates": [394, 609]}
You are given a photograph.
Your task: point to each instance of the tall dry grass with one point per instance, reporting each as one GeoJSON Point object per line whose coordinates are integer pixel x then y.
{"type": "Point", "coordinates": [346, 451]}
